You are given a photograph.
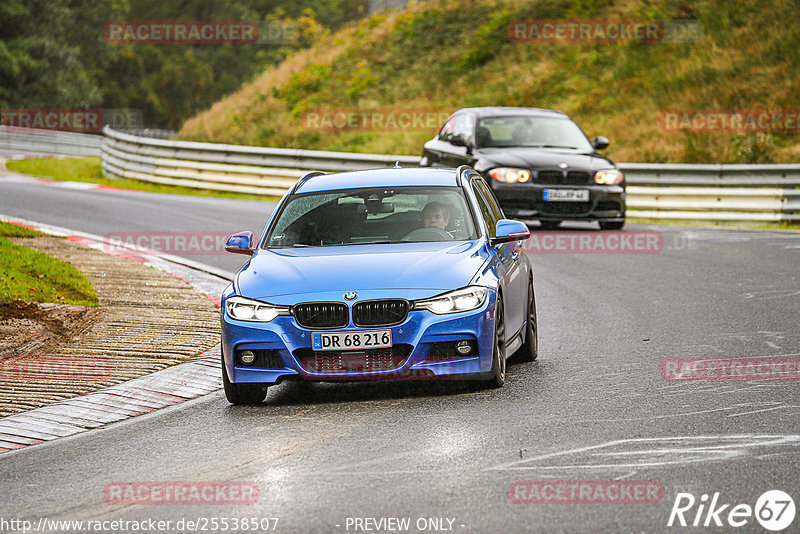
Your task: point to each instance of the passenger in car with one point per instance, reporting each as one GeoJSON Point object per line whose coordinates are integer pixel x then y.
{"type": "Point", "coordinates": [483, 137]}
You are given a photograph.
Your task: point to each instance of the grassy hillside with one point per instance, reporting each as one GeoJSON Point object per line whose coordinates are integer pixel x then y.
{"type": "Point", "coordinates": [32, 276]}
{"type": "Point", "coordinates": [444, 55]}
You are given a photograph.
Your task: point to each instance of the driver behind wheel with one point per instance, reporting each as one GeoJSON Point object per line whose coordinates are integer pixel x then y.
{"type": "Point", "coordinates": [435, 215]}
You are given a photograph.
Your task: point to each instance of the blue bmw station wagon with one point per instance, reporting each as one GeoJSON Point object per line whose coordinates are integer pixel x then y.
{"type": "Point", "coordinates": [379, 274]}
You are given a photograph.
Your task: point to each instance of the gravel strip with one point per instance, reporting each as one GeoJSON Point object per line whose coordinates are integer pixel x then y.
{"type": "Point", "coordinates": [150, 320]}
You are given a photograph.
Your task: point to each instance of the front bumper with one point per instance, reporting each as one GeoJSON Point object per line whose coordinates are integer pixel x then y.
{"type": "Point", "coordinates": [526, 201]}
{"type": "Point", "coordinates": [420, 340]}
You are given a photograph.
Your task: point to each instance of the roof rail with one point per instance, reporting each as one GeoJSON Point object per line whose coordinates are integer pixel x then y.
{"type": "Point", "coordinates": [305, 178]}
{"type": "Point", "coordinates": [460, 170]}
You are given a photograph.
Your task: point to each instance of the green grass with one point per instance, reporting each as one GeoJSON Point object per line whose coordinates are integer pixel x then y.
{"type": "Point", "coordinates": [15, 230]}
{"type": "Point", "coordinates": [89, 170]}
{"type": "Point", "coordinates": [445, 55]}
{"type": "Point", "coordinates": [32, 276]}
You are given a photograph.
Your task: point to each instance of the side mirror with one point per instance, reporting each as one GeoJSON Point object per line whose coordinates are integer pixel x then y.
{"type": "Point", "coordinates": [457, 140]}
{"type": "Point", "coordinates": [241, 243]}
{"type": "Point", "coordinates": [600, 142]}
{"type": "Point", "coordinates": [508, 230]}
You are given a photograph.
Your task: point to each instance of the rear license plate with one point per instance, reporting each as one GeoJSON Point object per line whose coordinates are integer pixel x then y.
{"type": "Point", "coordinates": [566, 195]}
{"type": "Point", "coordinates": [373, 339]}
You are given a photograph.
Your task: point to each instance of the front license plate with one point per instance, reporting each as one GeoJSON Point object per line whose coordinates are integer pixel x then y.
{"type": "Point", "coordinates": [373, 339]}
{"type": "Point", "coordinates": [567, 195]}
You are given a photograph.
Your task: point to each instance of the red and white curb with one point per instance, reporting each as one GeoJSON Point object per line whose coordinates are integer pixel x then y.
{"type": "Point", "coordinates": [18, 178]}
{"type": "Point", "coordinates": [198, 376]}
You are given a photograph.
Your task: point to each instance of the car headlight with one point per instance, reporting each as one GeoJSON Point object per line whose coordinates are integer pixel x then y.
{"type": "Point", "coordinates": [609, 177]}
{"type": "Point", "coordinates": [509, 175]}
{"type": "Point", "coordinates": [460, 300]}
{"type": "Point", "coordinates": [243, 309]}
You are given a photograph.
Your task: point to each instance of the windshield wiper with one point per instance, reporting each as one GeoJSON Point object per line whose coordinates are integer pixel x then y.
{"type": "Point", "coordinates": [531, 146]}
{"type": "Point", "coordinates": [558, 146]}
{"type": "Point", "coordinates": [502, 146]}
{"type": "Point", "coordinates": [301, 245]}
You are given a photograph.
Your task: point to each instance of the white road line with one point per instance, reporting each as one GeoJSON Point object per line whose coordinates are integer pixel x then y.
{"type": "Point", "coordinates": [667, 451]}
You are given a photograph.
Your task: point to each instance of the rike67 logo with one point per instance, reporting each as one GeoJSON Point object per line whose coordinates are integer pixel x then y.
{"type": "Point", "coordinates": [774, 510]}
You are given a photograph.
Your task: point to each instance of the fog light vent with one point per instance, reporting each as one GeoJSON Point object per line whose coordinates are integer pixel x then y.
{"type": "Point", "coordinates": [464, 347]}
{"type": "Point", "coordinates": [247, 357]}
{"type": "Point", "coordinates": [265, 359]}
{"type": "Point", "coordinates": [450, 350]}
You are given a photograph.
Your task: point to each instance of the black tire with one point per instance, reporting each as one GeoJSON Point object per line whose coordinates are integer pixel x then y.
{"type": "Point", "coordinates": [529, 350]}
{"type": "Point", "coordinates": [498, 372]}
{"type": "Point", "coordinates": [240, 394]}
{"type": "Point", "coordinates": [611, 225]}
{"type": "Point", "coordinates": [550, 225]}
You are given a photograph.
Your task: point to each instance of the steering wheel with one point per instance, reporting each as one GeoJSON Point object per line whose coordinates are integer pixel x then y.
{"type": "Point", "coordinates": [428, 234]}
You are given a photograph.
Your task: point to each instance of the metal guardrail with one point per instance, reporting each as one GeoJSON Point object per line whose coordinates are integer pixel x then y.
{"type": "Point", "coordinates": [655, 191]}
{"type": "Point", "coordinates": [719, 192]}
{"type": "Point", "coordinates": [29, 141]}
{"type": "Point", "coordinates": [234, 168]}
{"type": "Point", "coordinates": [715, 175]}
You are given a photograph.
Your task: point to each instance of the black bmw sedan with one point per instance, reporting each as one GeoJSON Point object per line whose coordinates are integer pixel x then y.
{"type": "Point", "coordinates": [539, 163]}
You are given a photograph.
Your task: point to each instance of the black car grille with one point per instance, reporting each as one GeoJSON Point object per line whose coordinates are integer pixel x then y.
{"type": "Point", "coordinates": [566, 208]}
{"type": "Point", "coordinates": [380, 312]}
{"type": "Point", "coordinates": [554, 177]}
{"type": "Point", "coordinates": [517, 203]}
{"type": "Point", "coordinates": [577, 178]}
{"type": "Point", "coordinates": [550, 177]}
{"type": "Point", "coordinates": [321, 314]}
{"type": "Point", "coordinates": [360, 361]}
{"type": "Point", "coordinates": [609, 205]}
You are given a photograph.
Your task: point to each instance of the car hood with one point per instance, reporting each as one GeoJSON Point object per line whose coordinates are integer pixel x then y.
{"type": "Point", "coordinates": [535, 158]}
{"type": "Point", "coordinates": [432, 267]}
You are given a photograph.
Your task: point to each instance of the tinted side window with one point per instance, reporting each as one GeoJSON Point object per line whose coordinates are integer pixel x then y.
{"type": "Point", "coordinates": [459, 124]}
{"type": "Point", "coordinates": [493, 204]}
{"type": "Point", "coordinates": [447, 129]}
{"type": "Point", "coordinates": [487, 213]}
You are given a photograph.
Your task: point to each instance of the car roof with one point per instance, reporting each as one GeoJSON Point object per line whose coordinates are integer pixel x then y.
{"type": "Point", "coordinates": [499, 111]}
{"type": "Point", "coordinates": [413, 176]}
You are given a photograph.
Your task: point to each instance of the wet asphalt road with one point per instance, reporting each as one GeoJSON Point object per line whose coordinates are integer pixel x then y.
{"type": "Point", "coordinates": [133, 214]}
{"type": "Point", "coordinates": [593, 407]}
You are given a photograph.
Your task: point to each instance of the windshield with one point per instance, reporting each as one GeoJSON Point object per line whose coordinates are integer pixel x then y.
{"type": "Point", "coordinates": [546, 132]}
{"type": "Point", "coordinates": [372, 215]}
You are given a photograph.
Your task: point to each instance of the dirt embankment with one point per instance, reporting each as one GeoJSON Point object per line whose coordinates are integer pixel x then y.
{"type": "Point", "coordinates": [146, 320]}
{"type": "Point", "coordinates": [31, 328]}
